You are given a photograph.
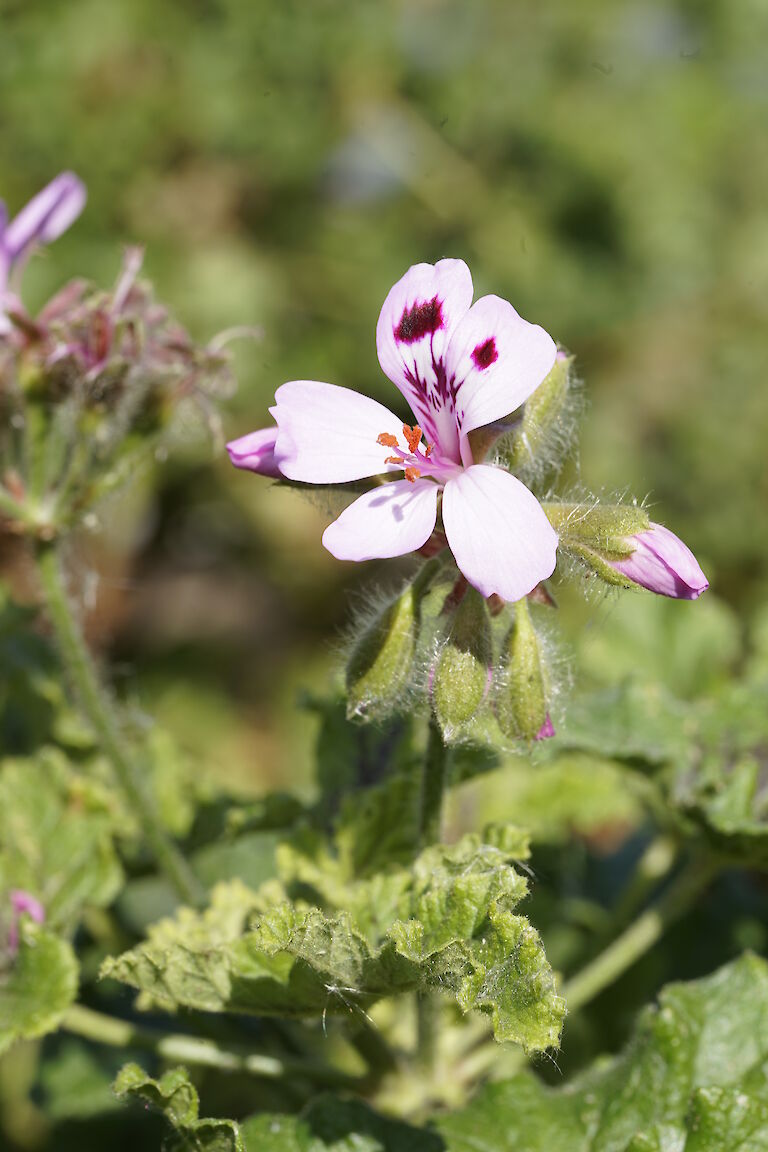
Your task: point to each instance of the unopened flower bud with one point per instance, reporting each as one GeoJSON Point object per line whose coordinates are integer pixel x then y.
{"type": "Point", "coordinates": [256, 452]}
{"type": "Point", "coordinates": [521, 701]}
{"type": "Point", "coordinates": [661, 563]}
{"type": "Point", "coordinates": [623, 547]}
{"type": "Point", "coordinates": [381, 663]}
{"type": "Point", "coordinates": [462, 672]}
{"type": "Point", "coordinates": [541, 425]}
{"type": "Point", "coordinates": [22, 904]}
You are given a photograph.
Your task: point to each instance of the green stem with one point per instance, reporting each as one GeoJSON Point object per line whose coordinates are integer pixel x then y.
{"type": "Point", "coordinates": [641, 935]}
{"type": "Point", "coordinates": [16, 510]}
{"type": "Point", "coordinates": [99, 709]}
{"type": "Point", "coordinates": [656, 862]}
{"type": "Point", "coordinates": [433, 786]}
{"type": "Point", "coordinates": [430, 827]}
{"type": "Point", "coordinates": [115, 1033]}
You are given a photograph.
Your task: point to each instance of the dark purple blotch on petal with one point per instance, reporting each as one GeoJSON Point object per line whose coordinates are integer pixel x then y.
{"type": "Point", "coordinates": [422, 319]}
{"type": "Point", "coordinates": [485, 354]}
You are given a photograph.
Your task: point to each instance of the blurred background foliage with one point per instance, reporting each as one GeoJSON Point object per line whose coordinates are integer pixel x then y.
{"type": "Point", "coordinates": [600, 164]}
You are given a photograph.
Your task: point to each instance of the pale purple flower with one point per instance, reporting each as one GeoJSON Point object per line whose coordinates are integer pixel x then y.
{"type": "Point", "coordinates": [22, 903]}
{"type": "Point", "coordinates": [661, 563]}
{"type": "Point", "coordinates": [255, 452]}
{"type": "Point", "coordinates": [460, 366]}
{"type": "Point", "coordinates": [41, 221]}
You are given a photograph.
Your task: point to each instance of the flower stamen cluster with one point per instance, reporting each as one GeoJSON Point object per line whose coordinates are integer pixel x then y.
{"type": "Point", "coordinates": [414, 461]}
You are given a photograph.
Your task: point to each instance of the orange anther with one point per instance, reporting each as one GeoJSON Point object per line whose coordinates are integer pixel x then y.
{"type": "Point", "coordinates": [387, 440]}
{"type": "Point", "coordinates": [428, 451]}
{"type": "Point", "coordinates": [412, 435]}
{"type": "Point", "coordinates": [412, 475]}
{"type": "Point", "coordinates": [392, 460]}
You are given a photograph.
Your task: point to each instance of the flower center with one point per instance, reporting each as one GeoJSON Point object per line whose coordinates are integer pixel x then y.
{"type": "Point", "coordinates": [414, 460]}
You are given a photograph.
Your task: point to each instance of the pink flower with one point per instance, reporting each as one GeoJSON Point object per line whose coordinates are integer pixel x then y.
{"type": "Point", "coordinates": [22, 903]}
{"type": "Point", "coordinates": [41, 221]}
{"type": "Point", "coordinates": [255, 452]}
{"type": "Point", "coordinates": [460, 366]}
{"type": "Point", "coordinates": [663, 564]}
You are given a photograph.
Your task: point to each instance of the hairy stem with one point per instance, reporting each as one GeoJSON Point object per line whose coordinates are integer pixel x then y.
{"type": "Point", "coordinates": [103, 1029]}
{"type": "Point", "coordinates": [433, 780]}
{"type": "Point", "coordinates": [99, 709]}
{"type": "Point", "coordinates": [639, 937]}
{"type": "Point", "coordinates": [433, 786]}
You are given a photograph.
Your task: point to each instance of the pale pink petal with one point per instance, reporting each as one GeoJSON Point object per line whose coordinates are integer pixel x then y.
{"type": "Point", "coordinates": [255, 452]}
{"type": "Point", "coordinates": [498, 532]}
{"type": "Point", "coordinates": [416, 323]}
{"type": "Point", "coordinates": [390, 520]}
{"type": "Point", "coordinates": [664, 565]}
{"type": "Point", "coordinates": [328, 435]}
{"type": "Point", "coordinates": [496, 360]}
{"type": "Point", "coordinates": [47, 215]}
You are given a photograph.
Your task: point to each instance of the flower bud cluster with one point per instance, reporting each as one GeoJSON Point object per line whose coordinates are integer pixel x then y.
{"type": "Point", "coordinates": [88, 391]}
{"type": "Point", "coordinates": [482, 666]}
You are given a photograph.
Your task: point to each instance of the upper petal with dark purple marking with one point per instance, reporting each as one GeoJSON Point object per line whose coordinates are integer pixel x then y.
{"type": "Point", "coordinates": [416, 324]}
{"type": "Point", "coordinates": [495, 361]}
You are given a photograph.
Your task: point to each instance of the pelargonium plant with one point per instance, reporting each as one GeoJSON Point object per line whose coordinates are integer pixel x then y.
{"type": "Point", "coordinates": [355, 967]}
{"type": "Point", "coordinates": [489, 395]}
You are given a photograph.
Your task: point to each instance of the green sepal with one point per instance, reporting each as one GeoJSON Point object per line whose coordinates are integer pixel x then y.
{"type": "Point", "coordinates": [381, 663]}
{"type": "Point", "coordinates": [521, 700]}
{"type": "Point", "coordinates": [532, 440]}
{"type": "Point", "coordinates": [380, 669]}
{"type": "Point", "coordinates": [461, 676]}
{"type": "Point", "coordinates": [603, 528]}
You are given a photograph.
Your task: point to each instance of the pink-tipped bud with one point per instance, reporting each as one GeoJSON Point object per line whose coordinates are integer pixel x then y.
{"type": "Point", "coordinates": [256, 452]}
{"type": "Point", "coordinates": [547, 729]}
{"type": "Point", "coordinates": [661, 563]}
{"type": "Point", "coordinates": [22, 904]}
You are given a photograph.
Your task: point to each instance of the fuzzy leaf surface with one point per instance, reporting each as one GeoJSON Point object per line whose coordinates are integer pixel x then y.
{"type": "Point", "coordinates": [448, 923]}
{"type": "Point", "coordinates": [694, 1077]}
{"type": "Point", "coordinates": [56, 836]}
{"type": "Point", "coordinates": [176, 1098]}
{"type": "Point", "coordinates": [38, 987]}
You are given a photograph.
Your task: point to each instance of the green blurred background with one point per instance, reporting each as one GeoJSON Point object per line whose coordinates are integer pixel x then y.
{"type": "Point", "coordinates": [601, 164]}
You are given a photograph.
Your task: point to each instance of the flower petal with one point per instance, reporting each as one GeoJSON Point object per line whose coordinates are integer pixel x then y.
{"type": "Point", "coordinates": [416, 323]}
{"type": "Point", "coordinates": [328, 435]}
{"type": "Point", "coordinates": [498, 532]}
{"type": "Point", "coordinates": [664, 565]}
{"type": "Point", "coordinates": [497, 360]}
{"type": "Point", "coordinates": [390, 520]}
{"type": "Point", "coordinates": [47, 215]}
{"type": "Point", "coordinates": [256, 452]}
